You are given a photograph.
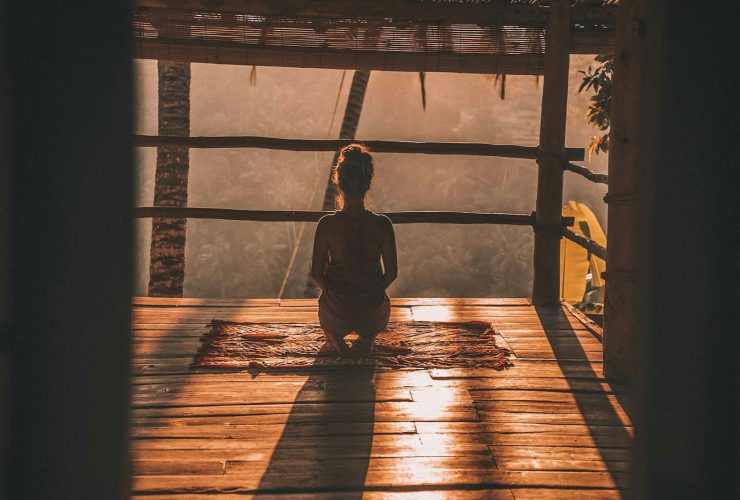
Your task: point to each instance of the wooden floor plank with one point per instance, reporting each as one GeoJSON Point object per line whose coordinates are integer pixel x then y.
{"type": "Point", "coordinates": [324, 480]}
{"type": "Point", "coordinates": [259, 442]}
{"type": "Point", "coordinates": [526, 368]}
{"type": "Point", "coordinates": [535, 383]}
{"type": "Point", "coordinates": [422, 414]}
{"type": "Point", "coordinates": [531, 439]}
{"type": "Point", "coordinates": [560, 453]}
{"type": "Point", "coordinates": [179, 467]}
{"type": "Point", "coordinates": [245, 431]}
{"type": "Point", "coordinates": [564, 494]}
{"type": "Point", "coordinates": [447, 494]}
{"type": "Point", "coordinates": [394, 379]}
{"type": "Point", "coordinates": [561, 465]}
{"type": "Point", "coordinates": [191, 398]}
{"type": "Point", "coordinates": [377, 465]}
{"type": "Point", "coordinates": [542, 429]}
{"type": "Point", "coordinates": [405, 448]}
{"type": "Point", "coordinates": [548, 417]}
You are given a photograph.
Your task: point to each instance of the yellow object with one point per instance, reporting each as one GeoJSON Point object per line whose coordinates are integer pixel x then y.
{"type": "Point", "coordinates": [575, 261]}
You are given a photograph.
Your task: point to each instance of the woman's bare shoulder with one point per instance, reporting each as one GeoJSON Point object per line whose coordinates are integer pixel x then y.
{"type": "Point", "coordinates": [326, 222]}
{"type": "Point", "coordinates": [382, 221]}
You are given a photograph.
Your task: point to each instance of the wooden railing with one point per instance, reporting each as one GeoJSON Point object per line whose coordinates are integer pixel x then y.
{"type": "Point", "coordinates": [588, 174]}
{"type": "Point", "coordinates": [420, 217]}
{"type": "Point", "coordinates": [430, 148]}
{"type": "Point", "coordinates": [580, 239]}
{"type": "Point", "coordinates": [413, 217]}
{"type": "Point", "coordinates": [585, 242]}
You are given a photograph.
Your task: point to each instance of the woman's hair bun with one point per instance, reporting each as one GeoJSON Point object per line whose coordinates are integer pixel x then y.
{"type": "Point", "coordinates": [353, 150]}
{"type": "Point", "coordinates": [354, 170]}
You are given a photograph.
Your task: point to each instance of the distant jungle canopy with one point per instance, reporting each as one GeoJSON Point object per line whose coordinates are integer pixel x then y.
{"type": "Point", "coordinates": [249, 259]}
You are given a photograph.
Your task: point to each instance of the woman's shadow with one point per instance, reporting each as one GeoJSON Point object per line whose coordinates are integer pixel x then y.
{"type": "Point", "coordinates": [328, 436]}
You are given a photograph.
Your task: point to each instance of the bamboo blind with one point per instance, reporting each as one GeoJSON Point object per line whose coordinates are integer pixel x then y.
{"type": "Point", "coordinates": [381, 44]}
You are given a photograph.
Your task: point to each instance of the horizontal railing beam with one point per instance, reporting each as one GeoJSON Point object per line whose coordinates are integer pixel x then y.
{"type": "Point", "coordinates": [420, 217]}
{"type": "Point", "coordinates": [431, 148]}
{"type": "Point", "coordinates": [585, 172]}
{"type": "Point", "coordinates": [585, 242]}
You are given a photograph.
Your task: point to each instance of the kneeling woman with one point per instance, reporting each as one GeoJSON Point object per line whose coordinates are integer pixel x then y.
{"type": "Point", "coordinates": [347, 252]}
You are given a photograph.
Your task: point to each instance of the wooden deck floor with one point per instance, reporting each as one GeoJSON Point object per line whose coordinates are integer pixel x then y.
{"type": "Point", "coordinates": [549, 427]}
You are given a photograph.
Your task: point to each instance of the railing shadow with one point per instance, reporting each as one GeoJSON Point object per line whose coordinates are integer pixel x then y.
{"type": "Point", "coordinates": [592, 401]}
{"type": "Point", "coordinates": [160, 371]}
{"type": "Point", "coordinates": [326, 443]}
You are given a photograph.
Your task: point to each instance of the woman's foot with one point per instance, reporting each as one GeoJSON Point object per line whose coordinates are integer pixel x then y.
{"type": "Point", "coordinates": [361, 347]}
{"type": "Point", "coordinates": [338, 343]}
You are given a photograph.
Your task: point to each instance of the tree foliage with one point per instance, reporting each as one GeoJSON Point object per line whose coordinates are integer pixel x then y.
{"type": "Point", "coordinates": [598, 78]}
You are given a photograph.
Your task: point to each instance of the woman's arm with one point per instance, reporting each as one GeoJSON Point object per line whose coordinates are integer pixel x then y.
{"type": "Point", "coordinates": [390, 258]}
{"type": "Point", "coordinates": [320, 253]}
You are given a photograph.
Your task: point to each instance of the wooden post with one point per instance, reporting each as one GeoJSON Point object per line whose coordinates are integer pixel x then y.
{"type": "Point", "coordinates": [626, 125]}
{"type": "Point", "coordinates": [546, 286]}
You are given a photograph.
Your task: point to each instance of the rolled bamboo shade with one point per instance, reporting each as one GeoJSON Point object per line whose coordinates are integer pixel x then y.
{"type": "Point", "coordinates": [387, 44]}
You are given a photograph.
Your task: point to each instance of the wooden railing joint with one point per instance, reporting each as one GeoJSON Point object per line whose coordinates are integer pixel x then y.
{"type": "Point", "coordinates": [585, 242]}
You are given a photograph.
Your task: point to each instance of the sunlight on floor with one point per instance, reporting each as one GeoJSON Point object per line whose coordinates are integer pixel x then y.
{"type": "Point", "coordinates": [432, 313]}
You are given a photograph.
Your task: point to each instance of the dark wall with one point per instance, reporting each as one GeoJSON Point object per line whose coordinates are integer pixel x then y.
{"type": "Point", "coordinates": [71, 170]}
{"type": "Point", "coordinates": [5, 276]}
{"type": "Point", "coordinates": [687, 428]}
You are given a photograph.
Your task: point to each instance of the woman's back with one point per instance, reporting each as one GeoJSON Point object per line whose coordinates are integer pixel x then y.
{"type": "Point", "coordinates": [354, 277]}
{"type": "Point", "coordinates": [355, 235]}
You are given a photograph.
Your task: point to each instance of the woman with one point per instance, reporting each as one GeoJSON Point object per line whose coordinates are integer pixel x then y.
{"type": "Point", "coordinates": [348, 247]}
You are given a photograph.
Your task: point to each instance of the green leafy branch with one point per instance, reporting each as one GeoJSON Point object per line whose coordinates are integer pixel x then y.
{"type": "Point", "coordinates": [599, 79]}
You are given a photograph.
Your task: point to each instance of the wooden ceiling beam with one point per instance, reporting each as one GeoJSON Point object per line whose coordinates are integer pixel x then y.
{"type": "Point", "coordinates": [310, 57]}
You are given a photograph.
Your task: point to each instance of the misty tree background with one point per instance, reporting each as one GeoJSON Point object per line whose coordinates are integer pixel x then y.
{"type": "Point", "coordinates": [249, 259]}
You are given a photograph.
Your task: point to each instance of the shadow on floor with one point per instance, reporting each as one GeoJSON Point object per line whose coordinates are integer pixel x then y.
{"type": "Point", "coordinates": [593, 403]}
{"type": "Point", "coordinates": [327, 441]}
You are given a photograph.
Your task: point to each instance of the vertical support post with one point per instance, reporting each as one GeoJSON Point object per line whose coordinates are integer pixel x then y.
{"type": "Point", "coordinates": [621, 253]}
{"type": "Point", "coordinates": [546, 286]}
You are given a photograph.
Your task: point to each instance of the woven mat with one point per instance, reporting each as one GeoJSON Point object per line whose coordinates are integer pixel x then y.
{"type": "Point", "coordinates": [417, 344]}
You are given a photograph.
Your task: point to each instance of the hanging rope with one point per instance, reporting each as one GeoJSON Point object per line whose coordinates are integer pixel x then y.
{"type": "Point", "coordinates": [319, 170]}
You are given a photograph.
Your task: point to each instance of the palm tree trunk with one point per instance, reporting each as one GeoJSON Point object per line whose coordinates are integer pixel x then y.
{"type": "Point", "coordinates": [349, 128]}
{"type": "Point", "coordinates": [167, 256]}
